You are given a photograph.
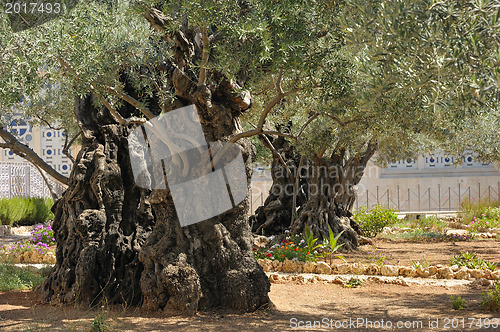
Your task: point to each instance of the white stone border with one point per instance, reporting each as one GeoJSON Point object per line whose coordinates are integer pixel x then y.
{"type": "Point", "coordinates": [436, 272]}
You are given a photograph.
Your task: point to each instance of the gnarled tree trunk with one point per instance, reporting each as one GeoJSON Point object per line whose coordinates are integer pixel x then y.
{"type": "Point", "coordinates": [329, 184]}
{"type": "Point", "coordinates": [209, 264]}
{"type": "Point", "coordinates": [101, 221]}
{"type": "Point", "coordinates": [277, 212]}
{"type": "Point", "coordinates": [110, 245]}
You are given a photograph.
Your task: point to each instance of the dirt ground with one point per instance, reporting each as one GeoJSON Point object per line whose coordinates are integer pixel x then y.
{"type": "Point", "coordinates": [405, 253]}
{"type": "Point", "coordinates": [420, 308]}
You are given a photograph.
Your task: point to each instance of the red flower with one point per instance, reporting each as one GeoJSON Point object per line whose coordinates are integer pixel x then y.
{"type": "Point", "coordinates": [254, 249]}
{"type": "Point", "coordinates": [283, 241]}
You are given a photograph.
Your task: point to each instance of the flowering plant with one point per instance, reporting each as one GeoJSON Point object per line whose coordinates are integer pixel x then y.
{"type": "Point", "coordinates": [489, 219]}
{"type": "Point", "coordinates": [290, 247]}
{"type": "Point", "coordinates": [19, 248]}
{"type": "Point", "coordinates": [43, 234]}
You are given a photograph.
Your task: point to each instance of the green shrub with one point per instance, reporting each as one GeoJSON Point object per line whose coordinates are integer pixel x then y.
{"type": "Point", "coordinates": [457, 303]}
{"type": "Point", "coordinates": [472, 261]}
{"type": "Point", "coordinates": [484, 209]}
{"type": "Point", "coordinates": [16, 278]}
{"type": "Point", "coordinates": [491, 298]}
{"type": "Point", "coordinates": [99, 324]}
{"type": "Point", "coordinates": [25, 211]}
{"type": "Point", "coordinates": [373, 222]}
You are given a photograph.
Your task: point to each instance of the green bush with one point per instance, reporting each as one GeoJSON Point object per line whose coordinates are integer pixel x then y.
{"type": "Point", "coordinates": [22, 211]}
{"type": "Point", "coordinates": [457, 303]}
{"type": "Point", "coordinates": [484, 209]}
{"type": "Point", "coordinates": [16, 278]}
{"type": "Point", "coordinates": [491, 298]}
{"type": "Point", "coordinates": [472, 261]}
{"type": "Point", "coordinates": [373, 222]}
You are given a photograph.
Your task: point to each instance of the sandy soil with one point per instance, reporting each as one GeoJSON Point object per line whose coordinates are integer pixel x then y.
{"type": "Point", "coordinates": [294, 304]}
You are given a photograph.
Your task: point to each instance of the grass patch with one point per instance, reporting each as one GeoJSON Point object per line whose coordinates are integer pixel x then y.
{"type": "Point", "coordinates": [483, 209]}
{"type": "Point", "coordinates": [22, 211]}
{"type": "Point", "coordinates": [18, 278]}
{"type": "Point", "coordinates": [491, 298]}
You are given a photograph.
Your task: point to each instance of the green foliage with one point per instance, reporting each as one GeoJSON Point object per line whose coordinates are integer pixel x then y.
{"type": "Point", "coordinates": [330, 245]}
{"type": "Point", "coordinates": [17, 278]}
{"type": "Point", "coordinates": [491, 298]}
{"type": "Point", "coordinates": [472, 261]}
{"type": "Point", "coordinates": [480, 215]}
{"type": "Point", "coordinates": [424, 262]}
{"type": "Point", "coordinates": [11, 252]}
{"type": "Point", "coordinates": [289, 247]}
{"type": "Point", "coordinates": [373, 222]}
{"type": "Point", "coordinates": [471, 209]}
{"type": "Point", "coordinates": [25, 211]}
{"type": "Point", "coordinates": [310, 240]}
{"type": "Point", "coordinates": [43, 234]}
{"type": "Point", "coordinates": [298, 247]}
{"type": "Point", "coordinates": [457, 302]}
{"type": "Point", "coordinates": [353, 283]}
{"type": "Point", "coordinates": [99, 324]}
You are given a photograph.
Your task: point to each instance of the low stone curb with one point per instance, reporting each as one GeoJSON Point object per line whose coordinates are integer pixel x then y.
{"type": "Point", "coordinates": [34, 257]}
{"type": "Point", "coordinates": [436, 272]}
{"type": "Point", "coordinates": [343, 279]}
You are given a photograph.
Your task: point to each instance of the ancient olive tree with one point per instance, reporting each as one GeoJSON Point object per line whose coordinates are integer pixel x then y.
{"type": "Point", "coordinates": [112, 65]}
{"type": "Point", "coordinates": [411, 77]}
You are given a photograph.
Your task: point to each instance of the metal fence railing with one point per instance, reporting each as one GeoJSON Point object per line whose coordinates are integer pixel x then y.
{"type": "Point", "coordinates": [414, 199]}
{"type": "Point", "coordinates": [23, 179]}
{"type": "Point", "coordinates": [437, 198]}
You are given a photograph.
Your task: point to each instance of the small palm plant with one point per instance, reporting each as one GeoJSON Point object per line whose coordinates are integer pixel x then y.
{"type": "Point", "coordinates": [310, 240]}
{"type": "Point", "coordinates": [332, 245]}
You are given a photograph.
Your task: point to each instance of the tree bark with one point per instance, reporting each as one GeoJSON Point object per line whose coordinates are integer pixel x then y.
{"type": "Point", "coordinates": [209, 264]}
{"type": "Point", "coordinates": [325, 195]}
{"type": "Point", "coordinates": [101, 221]}
{"type": "Point", "coordinates": [117, 242]}
{"type": "Point", "coordinates": [276, 214]}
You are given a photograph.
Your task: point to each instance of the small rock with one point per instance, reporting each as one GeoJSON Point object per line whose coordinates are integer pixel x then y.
{"type": "Point", "coordinates": [372, 269]}
{"type": "Point", "coordinates": [423, 272]}
{"type": "Point", "coordinates": [274, 278]}
{"type": "Point", "coordinates": [401, 282]}
{"type": "Point", "coordinates": [357, 268]}
{"type": "Point", "coordinates": [480, 274]}
{"type": "Point", "coordinates": [434, 269]}
{"type": "Point", "coordinates": [343, 268]}
{"type": "Point", "coordinates": [455, 268]}
{"type": "Point", "coordinates": [49, 258]}
{"type": "Point", "coordinates": [496, 274]}
{"type": "Point", "coordinates": [445, 273]}
{"type": "Point", "coordinates": [323, 268]}
{"type": "Point", "coordinates": [267, 264]}
{"type": "Point", "coordinates": [5, 230]}
{"type": "Point", "coordinates": [481, 283]}
{"type": "Point", "coordinates": [260, 240]}
{"type": "Point", "coordinates": [277, 266]}
{"type": "Point", "coordinates": [406, 271]}
{"type": "Point", "coordinates": [462, 273]}
{"type": "Point", "coordinates": [288, 266]}
{"type": "Point", "coordinates": [338, 280]}
{"type": "Point", "coordinates": [299, 279]}
{"type": "Point", "coordinates": [389, 270]}
{"type": "Point", "coordinates": [315, 279]}
{"type": "Point", "coordinates": [309, 267]}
